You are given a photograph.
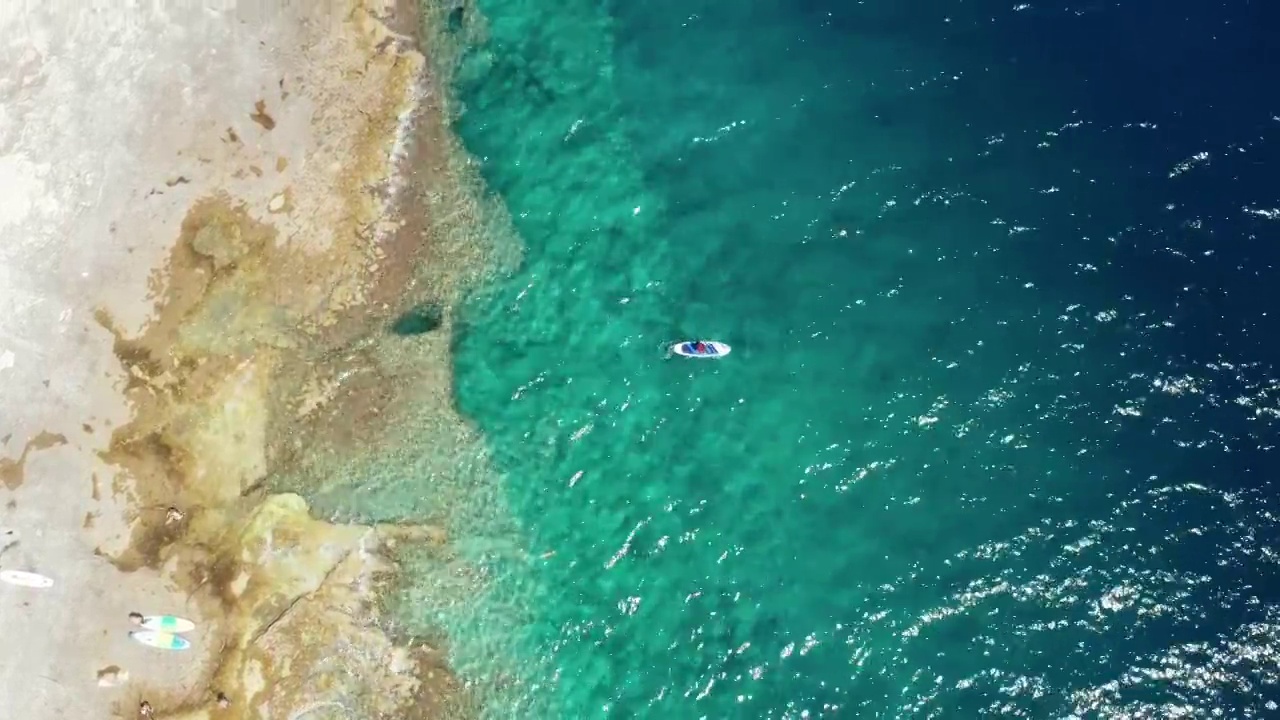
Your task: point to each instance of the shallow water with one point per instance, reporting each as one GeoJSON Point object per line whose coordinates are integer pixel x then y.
{"type": "Point", "coordinates": [996, 432]}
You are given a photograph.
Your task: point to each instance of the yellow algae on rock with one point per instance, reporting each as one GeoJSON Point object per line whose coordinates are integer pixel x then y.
{"type": "Point", "coordinates": [220, 241]}
{"type": "Point", "coordinates": [301, 627]}
{"type": "Point", "coordinates": [286, 554]}
{"type": "Point", "coordinates": [227, 441]}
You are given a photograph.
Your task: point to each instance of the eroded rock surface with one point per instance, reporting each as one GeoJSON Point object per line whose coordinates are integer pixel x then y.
{"type": "Point", "coordinates": [199, 230]}
{"type": "Point", "coordinates": [301, 630]}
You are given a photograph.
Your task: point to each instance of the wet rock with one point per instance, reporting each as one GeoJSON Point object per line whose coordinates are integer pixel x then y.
{"type": "Point", "coordinates": [221, 242]}
{"type": "Point", "coordinates": [302, 626]}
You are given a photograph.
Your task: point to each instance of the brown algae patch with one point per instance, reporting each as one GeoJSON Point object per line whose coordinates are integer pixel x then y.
{"type": "Point", "coordinates": [13, 472]}
{"type": "Point", "coordinates": [196, 376]}
{"type": "Point", "coordinates": [260, 116]}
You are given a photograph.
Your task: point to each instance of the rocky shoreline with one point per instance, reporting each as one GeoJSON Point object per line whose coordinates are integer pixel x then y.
{"type": "Point", "coordinates": [302, 223]}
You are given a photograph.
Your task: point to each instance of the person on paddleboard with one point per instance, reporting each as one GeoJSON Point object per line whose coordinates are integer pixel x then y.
{"type": "Point", "coordinates": [699, 349]}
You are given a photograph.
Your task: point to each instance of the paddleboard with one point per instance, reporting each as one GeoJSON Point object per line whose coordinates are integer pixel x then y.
{"type": "Point", "coordinates": [161, 640]}
{"type": "Point", "coordinates": [690, 349]}
{"type": "Point", "coordinates": [25, 579]}
{"type": "Point", "coordinates": [167, 623]}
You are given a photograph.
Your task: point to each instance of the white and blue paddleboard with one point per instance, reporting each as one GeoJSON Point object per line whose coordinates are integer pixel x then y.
{"type": "Point", "coordinates": [167, 623]}
{"type": "Point", "coordinates": [709, 349]}
{"type": "Point", "coordinates": [25, 579]}
{"type": "Point", "coordinates": [161, 640]}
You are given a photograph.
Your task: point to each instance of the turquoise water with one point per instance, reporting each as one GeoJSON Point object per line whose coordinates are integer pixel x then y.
{"type": "Point", "coordinates": [994, 435]}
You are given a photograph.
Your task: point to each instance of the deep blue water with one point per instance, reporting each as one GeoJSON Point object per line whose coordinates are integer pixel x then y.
{"type": "Point", "coordinates": [996, 435]}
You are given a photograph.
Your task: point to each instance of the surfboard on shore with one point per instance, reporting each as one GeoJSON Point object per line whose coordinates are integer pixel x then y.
{"type": "Point", "coordinates": [701, 349]}
{"type": "Point", "coordinates": [167, 623]}
{"type": "Point", "coordinates": [160, 640]}
{"type": "Point", "coordinates": [25, 579]}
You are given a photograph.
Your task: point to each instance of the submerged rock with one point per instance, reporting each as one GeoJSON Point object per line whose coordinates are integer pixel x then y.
{"type": "Point", "coordinates": [418, 321]}
{"type": "Point", "coordinates": [456, 18]}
